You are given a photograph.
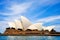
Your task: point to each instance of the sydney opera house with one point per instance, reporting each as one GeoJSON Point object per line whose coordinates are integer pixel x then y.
{"type": "Point", "coordinates": [25, 27]}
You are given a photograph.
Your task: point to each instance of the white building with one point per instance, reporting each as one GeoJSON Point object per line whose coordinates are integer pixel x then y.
{"type": "Point", "coordinates": [12, 24]}
{"type": "Point", "coordinates": [18, 24]}
{"type": "Point", "coordinates": [49, 28]}
{"type": "Point", "coordinates": [37, 26]}
{"type": "Point", "coordinates": [25, 24]}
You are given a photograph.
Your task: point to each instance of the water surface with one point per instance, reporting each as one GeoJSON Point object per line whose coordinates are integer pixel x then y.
{"type": "Point", "coordinates": [29, 37]}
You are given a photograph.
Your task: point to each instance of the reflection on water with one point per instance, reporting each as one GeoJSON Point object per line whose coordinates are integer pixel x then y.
{"type": "Point", "coordinates": [29, 37]}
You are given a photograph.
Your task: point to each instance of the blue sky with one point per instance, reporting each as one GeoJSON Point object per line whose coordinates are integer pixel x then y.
{"type": "Point", "coordinates": [44, 11]}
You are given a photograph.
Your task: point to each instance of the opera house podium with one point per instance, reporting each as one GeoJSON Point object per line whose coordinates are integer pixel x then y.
{"type": "Point", "coordinates": [29, 32]}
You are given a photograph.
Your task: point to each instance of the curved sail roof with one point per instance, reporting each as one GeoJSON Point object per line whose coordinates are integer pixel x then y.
{"type": "Point", "coordinates": [49, 28]}
{"type": "Point", "coordinates": [35, 26]}
{"type": "Point", "coordinates": [32, 27]}
{"type": "Point", "coordinates": [38, 25]}
{"type": "Point", "coordinates": [25, 22]}
{"type": "Point", "coordinates": [18, 24]}
{"type": "Point", "coordinates": [12, 24]}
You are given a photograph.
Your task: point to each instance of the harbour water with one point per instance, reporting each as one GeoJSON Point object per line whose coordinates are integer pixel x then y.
{"type": "Point", "coordinates": [29, 37]}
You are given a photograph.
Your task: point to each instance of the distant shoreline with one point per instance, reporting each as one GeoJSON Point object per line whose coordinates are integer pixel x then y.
{"type": "Point", "coordinates": [30, 35]}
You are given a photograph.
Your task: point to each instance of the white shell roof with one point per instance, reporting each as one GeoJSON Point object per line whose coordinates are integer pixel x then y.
{"type": "Point", "coordinates": [39, 26]}
{"type": "Point", "coordinates": [49, 28]}
{"type": "Point", "coordinates": [35, 26]}
{"type": "Point", "coordinates": [25, 22]}
{"type": "Point", "coordinates": [12, 24]}
{"type": "Point", "coordinates": [32, 27]}
{"type": "Point", "coordinates": [18, 24]}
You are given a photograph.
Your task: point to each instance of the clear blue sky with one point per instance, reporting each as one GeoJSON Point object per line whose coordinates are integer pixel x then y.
{"type": "Point", "coordinates": [45, 11]}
